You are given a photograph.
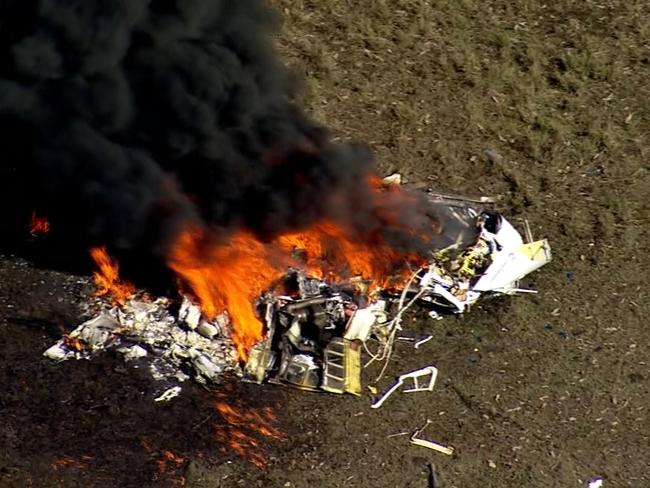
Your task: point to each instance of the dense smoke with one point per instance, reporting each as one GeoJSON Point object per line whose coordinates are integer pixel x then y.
{"type": "Point", "coordinates": [121, 119]}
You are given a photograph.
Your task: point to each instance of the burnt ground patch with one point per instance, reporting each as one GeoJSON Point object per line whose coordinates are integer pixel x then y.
{"type": "Point", "coordinates": [93, 423]}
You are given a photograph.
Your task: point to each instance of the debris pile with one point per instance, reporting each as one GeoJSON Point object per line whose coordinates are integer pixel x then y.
{"type": "Point", "coordinates": [493, 264]}
{"type": "Point", "coordinates": [175, 342]}
{"type": "Point", "coordinates": [317, 332]}
{"type": "Point", "coordinates": [311, 332]}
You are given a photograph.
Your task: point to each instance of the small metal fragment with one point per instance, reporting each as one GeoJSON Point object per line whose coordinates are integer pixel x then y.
{"type": "Point", "coordinates": [168, 394]}
{"type": "Point", "coordinates": [58, 352]}
{"type": "Point", "coordinates": [433, 479]}
{"type": "Point", "coordinates": [430, 373]}
{"type": "Point", "coordinates": [189, 313]}
{"type": "Point", "coordinates": [435, 315]}
{"type": "Point", "coordinates": [204, 366]}
{"type": "Point", "coordinates": [206, 329]}
{"type": "Point", "coordinates": [132, 352]}
{"type": "Point", "coordinates": [417, 441]}
{"type": "Point", "coordinates": [423, 341]}
{"type": "Point", "coordinates": [492, 156]}
{"type": "Point", "coordinates": [389, 436]}
{"type": "Point", "coordinates": [394, 179]}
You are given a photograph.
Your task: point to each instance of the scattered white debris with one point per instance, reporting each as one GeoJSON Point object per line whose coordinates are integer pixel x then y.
{"type": "Point", "coordinates": [91, 336]}
{"type": "Point", "coordinates": [596, 482]}
{"type": "Point", "coordinates": [394, 179]}
{"type": "Point", "coordinates": [207, 369]}
{"type": "Point", "coordinates": [435, 315]}
{"type": "Point", "coordinates": [417, 441]}
{"type": "Point", "coordinates": [132, 352]}
{"type": "Point", "coordinates": [58, 352]}
{"type": "Point", "coordinates": [189, 313]}
{"type": "Point", "coordinates": [206, 329]}
{"type": "Point", "coordinates": [168, 394]}
{"type": "Point", "coordinates": [363, 319]}
{"type": "Point", "coordinates": [424, 340]}
{"type": "Point", "coordinates": [142, 328]}
{"type": "Point", "coordinates": [428, 375]}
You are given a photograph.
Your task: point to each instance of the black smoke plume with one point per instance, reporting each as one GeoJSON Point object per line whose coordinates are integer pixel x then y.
{"type": "Point", "coordinates": [122, 119]}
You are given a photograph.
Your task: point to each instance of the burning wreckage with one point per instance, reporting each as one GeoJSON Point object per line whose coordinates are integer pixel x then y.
{"type": "Point", "coordinates": [315, 330]}
{"type": "Point", "coordinates": [315, 335]}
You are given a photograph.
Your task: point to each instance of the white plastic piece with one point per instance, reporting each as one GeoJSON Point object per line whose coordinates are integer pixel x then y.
{"type": "Point", "coordinates": [443, 292]}
{"type": "Point", "coordinates": [132, 352]}
{"type": "Point", "coordinates": [448, 450]}
{"type": "Point", "coordinates": [423, 341]}
{"type": "Point", "coordinates": [418, 441]}
{"type": "Point", "coordinates": [394, 179]}
{"type": "Point", "coordinates": [58, 352]}
{"type": "Point", "coordinates": [422, 380]}
{"type": "Point", "coordinates": [208, 330]}
{"type": "Point", "coordinates": [363, 320]}
{"type": "Point", "coordinates": [190, 314]}
{"type": "Point", "coordinates": [428, 375]}
{"type": "Point", "coordinates": [511, 265]}
{"type": "Point", "coordinates": [435, 315]}
{"type": "Point", "coordinates": [596, 482]}
{"type": "Point", "coordinates": [168, 394]}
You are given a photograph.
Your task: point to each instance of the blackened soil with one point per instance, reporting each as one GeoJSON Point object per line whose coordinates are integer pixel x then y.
{"type": "Point", "coordinates": [91, 423]}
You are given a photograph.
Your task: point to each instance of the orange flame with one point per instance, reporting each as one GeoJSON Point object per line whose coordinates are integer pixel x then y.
{"type": "Point", "coordinates": [168, 464]}
{"type": "Point", "coordinates": [107, 277]}
{"type": "Point", "coordinates": [330, 252]}
{"type": "Point", "coordinates": [231, 275]}
{"type": "Point", "coordinates": [73, 343]}
{"type": "Point", "coordinates": [38, 225]}
{"type": "Point", "coordinates": [70, 462]}
{"type": "Point", "coordinates": [169, 456]}
{"type": "Point", "coordinates": [244, 428]}
{"type": "Point", "coordinates": [227, 276]}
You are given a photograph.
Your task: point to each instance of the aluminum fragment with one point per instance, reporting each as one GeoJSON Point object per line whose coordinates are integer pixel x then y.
{"type": "Point", "coordinates": [420, 380]}
{"type": "Point", "coordinates": [168, 394]}
{"type": "Point", "coordinates": [416, 440]}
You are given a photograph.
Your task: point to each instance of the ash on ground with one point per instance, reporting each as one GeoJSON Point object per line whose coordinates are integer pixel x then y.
{"type": "Point", "coordinates": [174, 342]}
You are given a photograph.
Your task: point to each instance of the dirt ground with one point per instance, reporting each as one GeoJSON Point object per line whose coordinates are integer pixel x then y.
{"type": "Point", "coordinates": [545, 106]}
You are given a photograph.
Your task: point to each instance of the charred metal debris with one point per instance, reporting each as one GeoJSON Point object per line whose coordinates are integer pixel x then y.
{"type": "Point", "coordinates": [320, 335]}
{"type": "Point", "coordinates": [315, 337]}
